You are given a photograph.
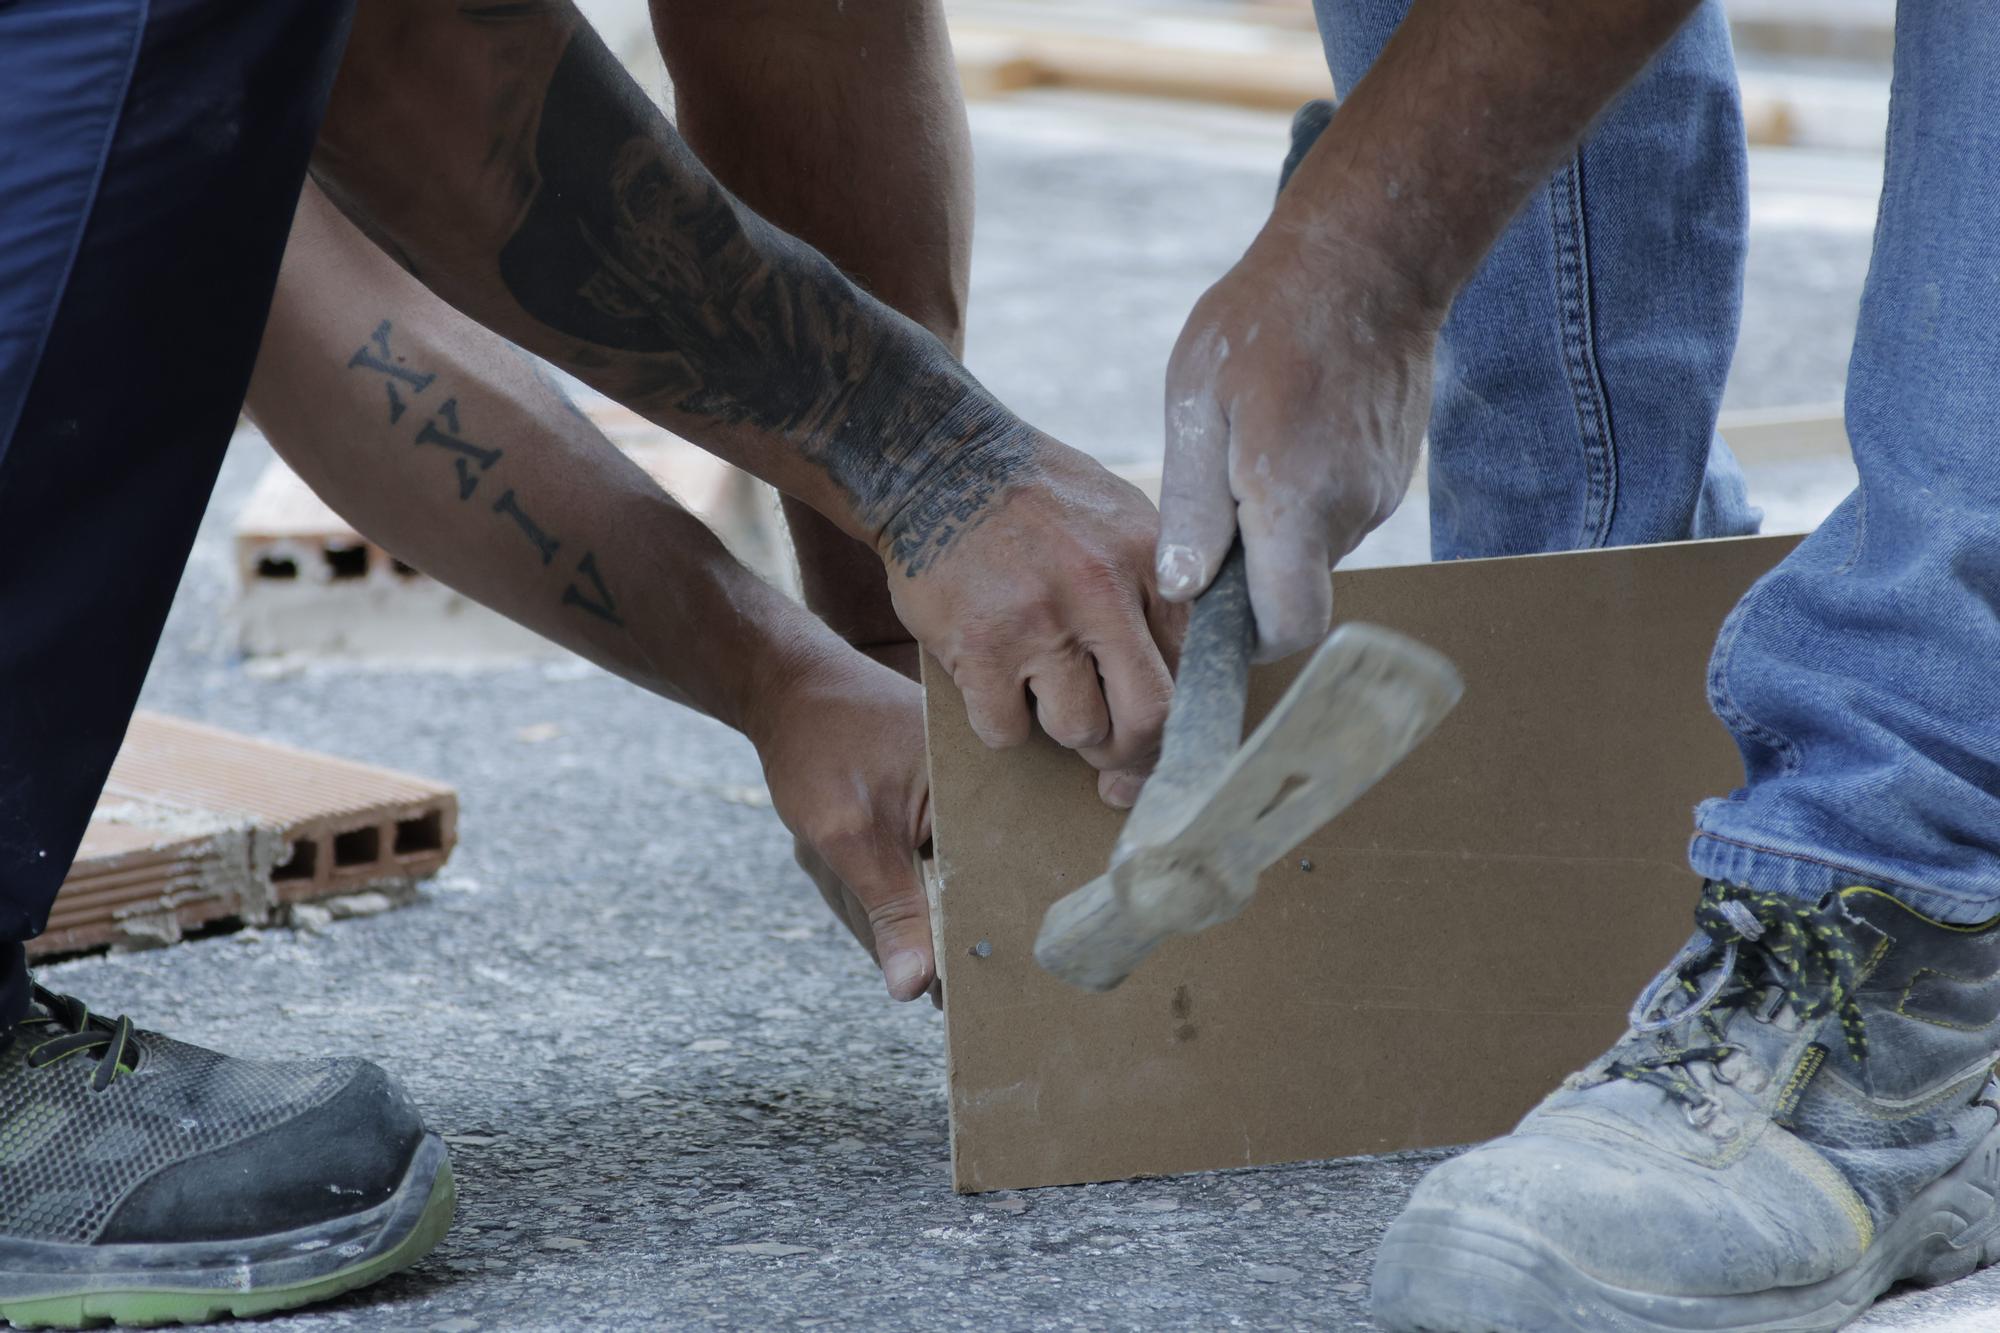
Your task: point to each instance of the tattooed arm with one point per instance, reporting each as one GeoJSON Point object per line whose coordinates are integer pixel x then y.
{"type": "Point", "coordinates": [843, 125]}
{"type": "Point", "coordinates": [445, 445]}
{"type": "Point", "coordinates": [502, 149]}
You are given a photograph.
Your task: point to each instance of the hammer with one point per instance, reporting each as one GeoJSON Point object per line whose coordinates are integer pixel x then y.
{"type": "Point", "coordinates": [1213, 816]}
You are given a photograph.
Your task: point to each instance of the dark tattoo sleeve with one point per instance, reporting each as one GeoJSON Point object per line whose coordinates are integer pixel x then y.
{"type": "Point", "coordinates": [471, 462]}
{"type": "Point", "coordinates": [628, 244]}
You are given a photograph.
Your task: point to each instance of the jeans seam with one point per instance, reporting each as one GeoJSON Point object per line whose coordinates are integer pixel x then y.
{"type": "Point", "coordinates": [89, 209]}
{"type": "Point", "coordinates": [1860, 876]}
{"type": "Point", "coordinates": [1579, 352]}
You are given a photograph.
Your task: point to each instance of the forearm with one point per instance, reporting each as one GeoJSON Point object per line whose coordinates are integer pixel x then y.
{"type": "Point", "coordinates": [1469, 108]}
{"type": "Point", "coordinates": [445, 445]}
{"type": "Point", "coordinates": [532, 185]}
{"type": "Point", "coordinates": [844, 126]}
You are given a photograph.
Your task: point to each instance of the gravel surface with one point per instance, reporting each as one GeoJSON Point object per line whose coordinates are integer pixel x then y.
{"type": "Point", "coordinates": [676, 1094]}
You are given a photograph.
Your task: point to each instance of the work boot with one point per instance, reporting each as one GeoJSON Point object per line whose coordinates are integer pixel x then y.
{"type": "Point", "coordinates": [144, 1181]}
{"type": "Point", "coordinates": [1802, 1113]}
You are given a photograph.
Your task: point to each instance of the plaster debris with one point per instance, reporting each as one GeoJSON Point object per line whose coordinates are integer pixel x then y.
{"type": "Point", "coordinates": [310, 918]}
{"type": "Point", "coordinates": [358, 904]}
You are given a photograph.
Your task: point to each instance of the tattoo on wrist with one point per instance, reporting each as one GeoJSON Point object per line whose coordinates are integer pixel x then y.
{"type": "Point", "coordinates": [628, 244]}
{"type": "Point", "coordinates": [471, 462]}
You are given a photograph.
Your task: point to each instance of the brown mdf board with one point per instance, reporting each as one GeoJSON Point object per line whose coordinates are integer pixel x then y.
{"type": "Point", "coordinates": [1420, 971]}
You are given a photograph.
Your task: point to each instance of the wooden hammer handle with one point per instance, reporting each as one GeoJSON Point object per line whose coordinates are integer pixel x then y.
{"type": "Point", "coordinates": [1092, 937]}
{"type": "Point", "coordinates": [1205, 720]}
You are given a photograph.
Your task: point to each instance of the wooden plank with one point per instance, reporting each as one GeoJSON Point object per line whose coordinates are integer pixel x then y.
{"type": "Point", "coordinates": [1424, 968]}
{"type": "Point", "coordinates": [1281, 74]}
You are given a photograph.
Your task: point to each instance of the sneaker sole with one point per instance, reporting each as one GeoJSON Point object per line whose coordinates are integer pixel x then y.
{"type": "Point", "coordinates": [88, 1286]}
{"type": "Point", "coordinates": [1450, 1271]}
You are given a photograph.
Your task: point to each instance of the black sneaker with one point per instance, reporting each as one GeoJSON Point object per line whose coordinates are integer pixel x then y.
{"type": "Point", "coordinates": [1802, 1113]}
{"type": "Point", "coordinates": [143, 1181]}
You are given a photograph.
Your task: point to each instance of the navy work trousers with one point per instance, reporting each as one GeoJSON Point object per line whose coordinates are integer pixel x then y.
{"type": "Point", "coordinates": [151, 155]}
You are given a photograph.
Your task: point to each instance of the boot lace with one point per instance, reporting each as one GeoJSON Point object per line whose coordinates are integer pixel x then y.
{"type": "Point", "coordinates": [1805, 952]}
{"type": "Point", "coordinates": [59, 1026]}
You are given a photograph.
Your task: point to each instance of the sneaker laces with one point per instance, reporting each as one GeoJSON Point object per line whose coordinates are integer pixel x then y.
{"type": "Point", "coordinates": [1803, 950]}
{"type": "Point", "coordinates": [66, 1027]}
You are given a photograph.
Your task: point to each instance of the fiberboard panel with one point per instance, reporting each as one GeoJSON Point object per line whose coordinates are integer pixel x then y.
{"type": "Point", "coordinates": [1418, 973]}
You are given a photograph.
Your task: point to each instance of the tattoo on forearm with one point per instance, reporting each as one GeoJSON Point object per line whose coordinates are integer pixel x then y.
{"type": "Point", "coordinates": [600, 603]}
{"type": "Point", "coordinates": [381, 360]}
{"type": "Point", "coordinates": [597, 600]}
{"type": "Point", "coordinates": [629, 244]}
{"type": "Point", "coordinates": [470, 454]}
{"type": "Point", "coordinates": [509, 506]}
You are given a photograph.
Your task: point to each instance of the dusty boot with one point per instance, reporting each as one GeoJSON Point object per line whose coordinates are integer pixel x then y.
{"type": "Point", "coordinates": [144, 1181]}
{"type": "Point", "coordinates": [1802, 1113]}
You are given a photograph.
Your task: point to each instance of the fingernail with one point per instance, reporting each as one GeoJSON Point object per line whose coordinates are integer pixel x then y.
{"type": "Point", "coordinates": [1123, 790]}
{"type": "Point", "coordinates": [1179, 569]}
{"type": "Point", "coordinates": [904, 973]}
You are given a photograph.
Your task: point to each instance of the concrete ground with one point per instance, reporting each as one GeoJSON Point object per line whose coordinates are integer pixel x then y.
{"type": "Point", "coordinates": [676, 1094]}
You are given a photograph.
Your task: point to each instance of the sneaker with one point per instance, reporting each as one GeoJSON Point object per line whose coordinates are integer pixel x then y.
{"type": "Point", "coordinates": [144, 1181]}
{"type": "Point", "coordinates": [1802, 1113]}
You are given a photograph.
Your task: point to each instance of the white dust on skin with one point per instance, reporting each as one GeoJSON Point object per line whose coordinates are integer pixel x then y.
{"type": "Point", "coordinates": [1196, 430]}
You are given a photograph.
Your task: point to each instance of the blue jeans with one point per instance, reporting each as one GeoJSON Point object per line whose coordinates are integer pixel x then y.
{"type": "Point", "coordinates": [1859, 676]}
{"type": "Point", "coordinates": [1577, 393]}
{"type": "Point", "coordinates": [1580, 372]}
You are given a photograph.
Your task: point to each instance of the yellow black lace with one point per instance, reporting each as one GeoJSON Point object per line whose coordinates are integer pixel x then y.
{"type": "Point", "coordinates": [1805, 950]}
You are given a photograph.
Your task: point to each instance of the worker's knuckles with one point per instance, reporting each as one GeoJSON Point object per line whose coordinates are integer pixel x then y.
{"type": "Point", "coordinates": [997, 714]}
{"type": "Point", "coordinates": [1134, 740]}
{"type": "Point", "coordinates": [1074, 733]}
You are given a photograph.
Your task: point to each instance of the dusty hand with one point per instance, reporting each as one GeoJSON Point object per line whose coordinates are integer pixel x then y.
{"type": "Point", "coordinates": [1045, 611]}
{"type": "Point", "coordinates": [1296, 401]}
{"type": "Point", "coordinates": [842, 744]}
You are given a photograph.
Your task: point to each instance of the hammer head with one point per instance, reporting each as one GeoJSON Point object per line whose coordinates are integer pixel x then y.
{"type": "Point", "coordinates": [1364, 700]}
